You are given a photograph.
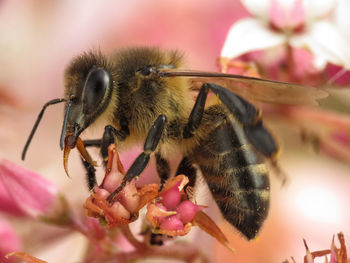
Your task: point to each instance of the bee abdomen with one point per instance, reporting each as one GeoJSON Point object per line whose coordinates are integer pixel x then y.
{"type": "Point", "coordinates": [236, 176]}
{"type": "Point", "coordinates": [242, 194]}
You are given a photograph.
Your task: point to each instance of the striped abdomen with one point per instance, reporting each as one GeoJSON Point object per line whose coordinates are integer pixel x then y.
{"type": "Point", "coordinates": [234, 172]}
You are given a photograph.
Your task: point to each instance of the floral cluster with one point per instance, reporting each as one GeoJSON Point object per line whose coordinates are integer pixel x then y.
{"type": "Point", "coordinates": [172, 214]}
{"type": "Point", "coordinates": [169, 212]}
{"type": "Point", "coordinates": [128, 202]}
{"type": "Point", "coordinates": [295, 33]}
{"type": "Point", "coordinates": [336, 255]}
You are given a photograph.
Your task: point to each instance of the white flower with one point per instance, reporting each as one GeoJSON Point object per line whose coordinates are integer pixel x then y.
{"type": "Point", "coordinates": [320, 26]}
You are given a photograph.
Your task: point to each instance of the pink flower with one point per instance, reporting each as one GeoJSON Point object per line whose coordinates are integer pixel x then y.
{"type": "Point", "coordinates": [169, 212]}
{"type": "Point", "coordinates": [312, 25]}
{"type": "Point", "coordinates": [9, 241]}
{"type": "Point", "coordinates": [172, 214]}
{"type": "Point", "coordinates": [23, 192]}
{"type": "Point", "coordinates": [128, 202]}
{"type": "Point", "coordinates": [337, 255]}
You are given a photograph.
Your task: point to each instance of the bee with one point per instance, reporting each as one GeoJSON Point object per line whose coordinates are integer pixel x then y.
{"type": "Point", "coordinates": [145, 96]}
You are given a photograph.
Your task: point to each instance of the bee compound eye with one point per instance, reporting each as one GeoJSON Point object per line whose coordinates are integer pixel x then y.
{"type": "Point", "coordinates": [95, 88]}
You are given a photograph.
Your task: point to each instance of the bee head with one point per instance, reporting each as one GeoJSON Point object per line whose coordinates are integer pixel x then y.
{"type": "Point", "coordinates": [89, 84]}
{"type": "Point", "coordinates": [88, 89]}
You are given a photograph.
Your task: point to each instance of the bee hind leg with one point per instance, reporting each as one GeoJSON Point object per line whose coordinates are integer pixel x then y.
{"type": "Point", "coordinates": [254, 129]}
{"type": "Point", "coordinates": [151, 143]}
{"type": "Point", "coordinates": [243, 111]}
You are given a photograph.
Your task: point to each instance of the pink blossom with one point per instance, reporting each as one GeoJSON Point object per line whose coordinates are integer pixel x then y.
{"type": "Point", "coordinates": [284, 17]}
{"type": "Point", "coordinates": [23, 192]}
{"type": "Point", "coordinates": [308, 25]}
{"type": "Point", "coordinates": [173, 214]}
{"type": "Point", "coordinates": [9, 241]}
{"type": "Point", "coordinates": [337, 255]}
{"type": "Point", "coordinates": [124, 209]}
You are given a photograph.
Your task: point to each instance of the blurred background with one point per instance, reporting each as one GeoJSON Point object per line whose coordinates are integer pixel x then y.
{"type": "Point", "coordinates": [37, 41]}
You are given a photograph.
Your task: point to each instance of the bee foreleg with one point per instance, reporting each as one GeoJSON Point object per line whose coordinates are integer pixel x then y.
{"type": "Point", "coordinates": [90, 169]}
{"type": "Point", "coordinates": [163, 170]}
{"type": "Point", "coordinates": [90, 174]}
{"type": "Point", "coordinates": [151, 143]}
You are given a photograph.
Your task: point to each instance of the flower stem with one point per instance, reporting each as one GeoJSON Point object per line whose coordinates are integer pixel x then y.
{"type": "Point", "coordinates": [184, 251]}
{"type": "Point", "coordinates": [131, 238]}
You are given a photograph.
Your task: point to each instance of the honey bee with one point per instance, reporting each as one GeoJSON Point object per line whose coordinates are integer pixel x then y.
{"type": "Point", "coordinates": [145, 96]}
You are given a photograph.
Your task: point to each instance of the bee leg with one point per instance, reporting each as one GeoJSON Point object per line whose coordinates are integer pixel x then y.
{"type": "Point", "coordinates": [186, 167]}
{"type": "Point", "coordinates": [109, 135]}
{"type": "Point", "coordinates": [151, 143]}
{"type": "Point", "coordinates": [244, 112]}
{"type": "Point", "coordinates": [90, 174]}
{"type": "Point", "coordinates": [262, 139]}
{"type": "Point", "coordinates": [163, 170]}
{"type": "Point", "coordinates": [90, 169]}
{"type": "Point", "coordinates": [92, 143]}
{"type": "Point", "coordinates": [196, 113]}
{"type": "Point", "coordinates": [254, 129]}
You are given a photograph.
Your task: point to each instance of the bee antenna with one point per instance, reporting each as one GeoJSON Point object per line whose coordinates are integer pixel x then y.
{"type": "Point", "coordinates": [64, 126]}
{"type": "Point", "coordinates": [51, 102]}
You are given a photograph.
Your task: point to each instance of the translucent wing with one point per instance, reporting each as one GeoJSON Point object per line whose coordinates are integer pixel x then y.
{"type": "Point", "coordinates": [253, 89]}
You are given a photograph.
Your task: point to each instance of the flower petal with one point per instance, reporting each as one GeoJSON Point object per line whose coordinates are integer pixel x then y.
{"type": "Point", "coordinates": [296, 16]}
{"type": "Point", "coordinates": [147, 193]}
{"type": "Point", "coordinates": [308, 258]}
{"type": "Point", "coordinates": [249, 35]}
{"type": "Point", "coordinates": [174, 233]}
{"type": "Point", "coordinates": [171, 198]}
{"type": "Point", "coordinates": [156, 213]}
{"type": "Point", "coordinates": [26, 257]}
{"type": "Point", "coordinates": [259, 8]}
{"type": "Point", "coordinates": [326, 43]}
{"type": "Point", "coordinates": [114, 172]}
{"type": "Point", "coordinates": [117, 209]}
{"type": "Point", "coordinates": [28, 191]}
{"type": "Point", "coordinates": [172, 223]}
{"type": "Point", "coordinates": [173, 189]}
{"type": "Point", "coordinates": [277, 15]}
{"type": "Point", "coordinates": [333, 253]}
{"type": "Point", "coordinates": [130, 198]}
{"type": "Point", "coordinates": [315, 9]}
{"type": "Point", "coordinates": [187, 210]}
{"type": "Point", "coordinates": [208, 225]}
{"type": "Point", "coordinates": [10, 243]}
{"type": "Point", "coordinates": [341, 18]}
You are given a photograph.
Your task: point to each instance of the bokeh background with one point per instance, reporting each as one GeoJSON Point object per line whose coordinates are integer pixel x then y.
{"type": "Point", "coordinates": [37, 41]}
